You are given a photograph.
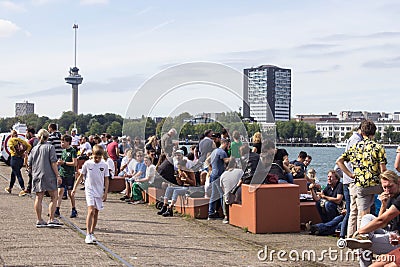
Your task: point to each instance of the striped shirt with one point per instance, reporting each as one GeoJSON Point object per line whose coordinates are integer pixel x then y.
{"type": "Point", "coordinates": [55, 140]}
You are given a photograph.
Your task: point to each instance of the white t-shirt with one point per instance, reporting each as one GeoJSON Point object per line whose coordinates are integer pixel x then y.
{"type": "Point", "coordinates": [85, 148]}
{"type": "Point", "coordinates": [189, 163]}
{"type": "Point", "coordinates": [94, 177]}
{"type": "Point", "coordinates": [125, 160]}
{"type": "Point", "coordinates": [132, 166]}
{"type": "Point", "coordinates": [111, 166]}
{"type": "Point", "coordinates": [75, 140]}
{"type": "Point", "coordinates": [151, 173]}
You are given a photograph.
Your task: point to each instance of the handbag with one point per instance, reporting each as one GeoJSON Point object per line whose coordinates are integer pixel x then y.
{"type": "Point", "coordinates": [341, 207]}
{"type": "Point", "coordinates": [271, 179]}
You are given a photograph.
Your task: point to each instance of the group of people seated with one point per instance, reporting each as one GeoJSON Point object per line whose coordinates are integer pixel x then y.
{"type": "Point", "coordinates": [369, 222]}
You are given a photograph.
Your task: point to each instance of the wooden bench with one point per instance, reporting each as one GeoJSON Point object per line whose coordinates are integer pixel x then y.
{"type": "Point", "coordinates": [116, 184]}
{"type": "Point", "coordinates": [154, 194]}
{"type": "Point", "coordinates": [195, 207]}
{"type": "Point", "coordinates": [268, 208]}
{"type": "Point", "coordinates": [302, 183]}
{"type": "Point", "coordinates": [309, 212]}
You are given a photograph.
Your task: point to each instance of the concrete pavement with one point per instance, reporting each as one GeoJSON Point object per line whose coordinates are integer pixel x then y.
{"type": "Point", "coordinates": [137, 236]}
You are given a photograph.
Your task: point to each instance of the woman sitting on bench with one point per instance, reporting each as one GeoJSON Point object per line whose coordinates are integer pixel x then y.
{"type": "Point", "coordinates": [185, 178]}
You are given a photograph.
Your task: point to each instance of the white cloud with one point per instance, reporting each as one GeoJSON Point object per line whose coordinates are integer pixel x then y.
{"type": "Point", "coordinates": [11, 6]}
{"type": "Point", "coordinates": [7, 28]}
{"type": "Point", "coordinates": [93, 2]}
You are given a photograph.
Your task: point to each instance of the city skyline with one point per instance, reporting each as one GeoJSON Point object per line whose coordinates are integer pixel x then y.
{"type": "Point", "coordinates": [343, 56]}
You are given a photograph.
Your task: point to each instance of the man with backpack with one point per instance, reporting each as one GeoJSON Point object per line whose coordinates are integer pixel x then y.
{"type": "Point", "coordinates": [18, 148]}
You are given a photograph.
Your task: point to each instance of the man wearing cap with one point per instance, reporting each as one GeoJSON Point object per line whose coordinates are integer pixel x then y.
{"type": "Point", "coordinates": [179, 156]}
{"type": "Point", "coordinates": [218, 160]}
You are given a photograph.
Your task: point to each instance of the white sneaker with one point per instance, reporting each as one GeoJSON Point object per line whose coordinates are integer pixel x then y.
{"type": "Point", "coordinates": [360, 241]}
{"type": "Point", "coordinates": [89, 239]}
{"type": "Point", "coordinates": [93, 238]}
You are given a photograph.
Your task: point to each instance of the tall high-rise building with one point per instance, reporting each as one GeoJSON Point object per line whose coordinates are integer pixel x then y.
{"type": "Point", "coordinates": [267, 93]}
{"type": "Point", "coordinates": [24, 108]}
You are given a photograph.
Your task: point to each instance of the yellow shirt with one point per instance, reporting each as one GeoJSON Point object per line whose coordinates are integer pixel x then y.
{"type": "Point", "coordinates": [14, 141]}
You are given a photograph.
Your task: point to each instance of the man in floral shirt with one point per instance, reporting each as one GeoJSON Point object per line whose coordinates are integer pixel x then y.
{"type": "Point", "coordinates": [369, 161]}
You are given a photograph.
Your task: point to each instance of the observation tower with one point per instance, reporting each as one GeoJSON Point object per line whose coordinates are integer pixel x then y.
{"type": "Point", "coordinates": [74, 78]}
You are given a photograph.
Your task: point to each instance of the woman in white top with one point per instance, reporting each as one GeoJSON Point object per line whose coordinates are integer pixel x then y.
{"type": "Point", "coordinates": [141, 184]}
{"type": "Point", "coordinates": [125, 162]}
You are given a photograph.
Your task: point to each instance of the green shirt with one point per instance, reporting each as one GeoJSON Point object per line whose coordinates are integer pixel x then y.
{"type": "Point", "coordinates": [366, 157]}
{"type": "Point", "coordinates": [67, 155]}
{"type": "Point", "coordinates": [234, 151]}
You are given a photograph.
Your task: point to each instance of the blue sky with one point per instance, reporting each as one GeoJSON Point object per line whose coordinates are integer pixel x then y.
{"type": "Point", "coordinates": [344, 55]}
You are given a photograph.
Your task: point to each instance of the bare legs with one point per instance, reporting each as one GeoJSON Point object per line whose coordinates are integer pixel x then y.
{"type": "Point", "coordinates": [38, 204]}
{"type": "Point", "coordinates": [91, 219]}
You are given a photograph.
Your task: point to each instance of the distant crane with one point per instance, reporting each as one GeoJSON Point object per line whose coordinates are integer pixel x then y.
{"type": "Point", "coordinates": [74, 78]}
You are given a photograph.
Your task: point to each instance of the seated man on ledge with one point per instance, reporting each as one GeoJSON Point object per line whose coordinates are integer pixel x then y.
{"type": "Point", "coordinates": [328, 228]}
{"type": "Point", "coordinates": [374, 231]}
{"type": "Point", "coordinates": [328, 200]}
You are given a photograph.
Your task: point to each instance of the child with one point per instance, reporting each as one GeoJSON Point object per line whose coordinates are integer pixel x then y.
{"type": "Point", "coordinates": [96, 187]}
{"type": "Point", "coordinates": [110, 164]}
{"type": "Point", "coordinates": [140, 184]}
{"type": "Point", "coordinates": [67, 165]}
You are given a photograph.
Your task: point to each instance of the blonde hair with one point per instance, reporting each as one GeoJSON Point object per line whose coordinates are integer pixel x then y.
{"type": "Point", "coordinates": [43, 135]}
{"type": "Point", "coordinates": [389, 175]}
{"type": "Point", "coordinates": [256, 137]}
{"type": "Point", "coordinates": [98, 150]}
{"type": "Point", "coordinates": [151, 139]}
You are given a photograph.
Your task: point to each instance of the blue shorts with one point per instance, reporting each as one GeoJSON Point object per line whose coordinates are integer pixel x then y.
{"type": "Point", "coordinates": [68, 182]}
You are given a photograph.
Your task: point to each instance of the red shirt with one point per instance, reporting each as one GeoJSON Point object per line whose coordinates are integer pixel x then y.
{"type": "Point", "coordinates": [112, 150]}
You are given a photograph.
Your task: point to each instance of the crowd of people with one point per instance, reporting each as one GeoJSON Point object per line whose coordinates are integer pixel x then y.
{"type": "Point", "coordinates": [215, 168]}
{"type": "Point", "coordinates": [363, 209]}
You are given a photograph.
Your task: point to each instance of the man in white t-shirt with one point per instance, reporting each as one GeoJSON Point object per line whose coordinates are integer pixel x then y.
{"type": "Point", "coordinates": [75, 139]}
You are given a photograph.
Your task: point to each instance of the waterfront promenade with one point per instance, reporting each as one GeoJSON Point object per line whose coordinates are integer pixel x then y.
{"type": "Point", "coordinates": [133, 235]}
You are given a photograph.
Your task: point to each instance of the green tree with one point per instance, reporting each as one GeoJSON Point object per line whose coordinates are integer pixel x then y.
{"type": "Point", "coordinates": [115, 129]}
{"type": "Point", "coordinates": [95, 128]}
{"type": "Point", "coordinates": [67, 118]}
{"type": "Point", "coordinates": [388, 134]}
{"type": "Point", "coordinates": [318, 137]}
{"type": "Point", "coordinates": [300, 131]}
{"type": "Point", "coordinates": [150, 128]}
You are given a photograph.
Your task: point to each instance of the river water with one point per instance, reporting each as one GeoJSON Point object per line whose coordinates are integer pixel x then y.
{"type": "Point", "coordinates": [324, 158]}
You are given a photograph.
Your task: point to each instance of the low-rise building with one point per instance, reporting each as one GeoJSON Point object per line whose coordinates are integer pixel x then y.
{"type": "Point", "coordinates": [339, 129]}
{"type": "Point", "coordinates": [314, 118]}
